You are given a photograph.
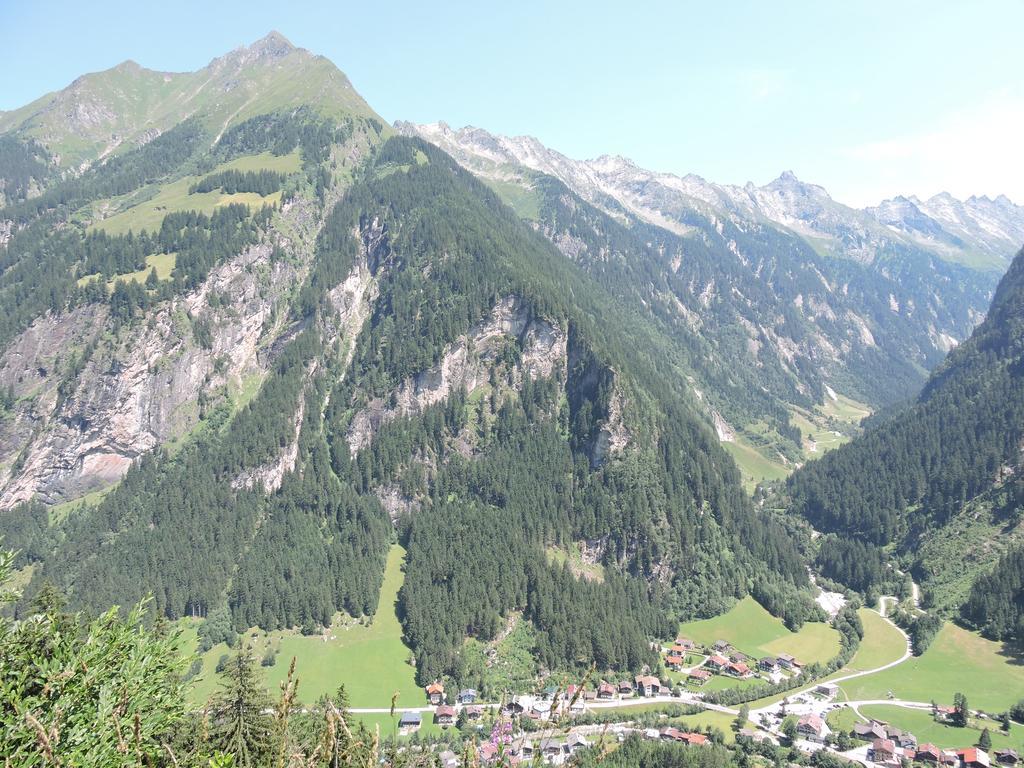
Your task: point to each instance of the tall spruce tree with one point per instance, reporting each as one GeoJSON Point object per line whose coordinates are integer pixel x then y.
{"type": "Point", "coordinates": [241, 723]}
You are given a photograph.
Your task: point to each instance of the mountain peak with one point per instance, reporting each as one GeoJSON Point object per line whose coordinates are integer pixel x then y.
{"type": "Point", "coordinates": [128, 65]}
{"type": "Point", "coordinates": [612, 163]}
{"type": "Point", "coordinates": [270, 48]}
{"type": "Point", "coordinates": [273, 44]}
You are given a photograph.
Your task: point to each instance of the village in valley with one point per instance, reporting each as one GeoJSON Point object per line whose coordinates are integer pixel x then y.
{"type": "Point", "coordinates": [554, 723]}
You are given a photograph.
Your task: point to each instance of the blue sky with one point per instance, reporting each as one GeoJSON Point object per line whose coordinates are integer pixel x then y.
{"type": "Point", "coordinates": [869, 99]}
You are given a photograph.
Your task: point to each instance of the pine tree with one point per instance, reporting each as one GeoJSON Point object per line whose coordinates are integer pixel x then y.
{"type": "Point", "coordinates": [985, 740]}
{"type": "Point", "coordinates": [241, 724]}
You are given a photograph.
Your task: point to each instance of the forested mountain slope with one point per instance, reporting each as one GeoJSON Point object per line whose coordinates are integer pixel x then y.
{"type": "Point", "coordinates": [939, 483]}
{"type": "Point", "coordinates": [265, 352]}
{"type": "Point", "coordinates": [786, 287]}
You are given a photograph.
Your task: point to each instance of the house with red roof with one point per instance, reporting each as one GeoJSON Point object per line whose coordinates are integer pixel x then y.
{"type": "Point", "coordinates": [435, 692]}
{"type": "Point", "coordinates": [674, 661]}
{"type": "Point", "coordinates": [605, 691]}
{"type": "Point", "coordinates": [737, 669]}
{"type": "Point", "coordinates": [699, 676]}
{"type": "Point", "coordinates": [882, 751]}
{"type": "Point", "coordinates": [972, 757]}
{"type": "Point", "coordinates": [716, 663]}
{"type": "Point", "coordinates": [648, 685]}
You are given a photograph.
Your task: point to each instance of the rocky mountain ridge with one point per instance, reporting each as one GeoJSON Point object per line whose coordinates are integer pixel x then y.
{"type": "Point", "coordinates": [977, 230]}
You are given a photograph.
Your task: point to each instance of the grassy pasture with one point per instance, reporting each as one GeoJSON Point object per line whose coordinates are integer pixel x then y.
{"type": "Point", "coordinates": [751, 629]}
{"type": "Point", "coordinates": [989, 674]}
{"type": "Point", "coordinates": [371, 660]}
{"type": "Point", "coordinates": [174, 196]}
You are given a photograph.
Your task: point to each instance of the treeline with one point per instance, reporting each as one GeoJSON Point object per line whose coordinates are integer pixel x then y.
{"type": "Point", "coordinates": [40, 264]}
{"type": "Point", "coordinates": [119, 175]}
{"type": "Point", "coordinates": [262, 182]}
{"type": "Point", "coordinates": [283, 132]}
{"type": "Point", "coordinates": [995, 605]}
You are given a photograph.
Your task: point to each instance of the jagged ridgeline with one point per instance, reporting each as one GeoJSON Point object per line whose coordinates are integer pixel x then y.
{"type": "Point", "coordinates": [939, 482]}
{"type": "Point", "coordinates": [441, 370]}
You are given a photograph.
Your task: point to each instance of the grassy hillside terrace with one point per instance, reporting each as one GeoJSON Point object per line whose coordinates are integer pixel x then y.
{"type": "Point", "coordinates": [370, 660]}
{"type": "Point", "coordinates": [175, 196]}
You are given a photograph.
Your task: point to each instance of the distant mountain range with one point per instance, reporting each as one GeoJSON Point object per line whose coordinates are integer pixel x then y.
{"type": "Point", "coordinates": [978, 231]}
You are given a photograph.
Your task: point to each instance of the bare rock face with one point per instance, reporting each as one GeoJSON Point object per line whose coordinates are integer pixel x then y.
{"type": "Point", "coordinates": [614, 436]}
{"type": "Point", "coordinates": [466, 364]}
{"type": "Point", "coordinates": [141, 389]}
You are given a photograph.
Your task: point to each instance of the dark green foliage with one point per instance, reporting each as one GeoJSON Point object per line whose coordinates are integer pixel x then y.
{"type": "Point", "coordinates": [322, 549]}
{"type": "Point", "coordinates": [961, 711]}
{"type": "Point", "coordinates": [101, 692]}
{"type": "Point", "coordinates": [26, 531]}
{"type": "Point", "coordinates": [216, 629]}
{"type": "Point", "coordinates": [635, 752]}
{"type": "Point", "coordinates": [922, 631]}
{"type": "Point", "coordinates": [38, 266]}
{"type": "Point", "coordinates": [995, 605]}
{"type": "Point", "coordinates": [22, 165]}
{"type": "Point", "coordinates": [1017, 711]}
{"type": "Point", "coordinates": [240, 723]}
{"type": "Point", "coordinates": [851, 562]}
{"type": "Point", "coordinates": [261, 182]}
{"type": "Point", "coordinates": [914, 471]}
{"type": "Point", "coordinates": [280, 133]}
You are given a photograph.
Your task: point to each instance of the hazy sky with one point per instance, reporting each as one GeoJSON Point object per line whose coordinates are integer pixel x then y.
{"type": "Point", "coordinates": [869, 99]}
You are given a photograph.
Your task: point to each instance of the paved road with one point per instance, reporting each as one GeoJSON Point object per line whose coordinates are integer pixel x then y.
{"type": "Point", "coordinates": [634, 701]}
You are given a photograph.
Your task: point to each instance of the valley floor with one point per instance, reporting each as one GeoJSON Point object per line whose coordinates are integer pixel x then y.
{"type": "Point", "coordinates": [881, 681]}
